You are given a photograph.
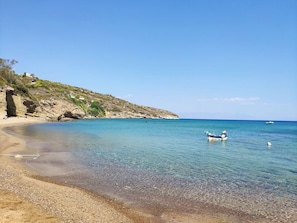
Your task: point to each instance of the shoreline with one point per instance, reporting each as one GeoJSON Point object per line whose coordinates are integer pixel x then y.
{"type": "Point", "coordinates": [25, 197]}
{"type": "Point", "coordinates": [45, 200]}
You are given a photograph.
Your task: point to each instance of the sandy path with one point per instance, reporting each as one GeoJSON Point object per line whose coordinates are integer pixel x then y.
{"type": "Point", "coordinates": [15, 209]}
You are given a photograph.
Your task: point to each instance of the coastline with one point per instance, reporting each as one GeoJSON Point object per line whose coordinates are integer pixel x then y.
{"type": "Point", "coordinates": [25, 196]}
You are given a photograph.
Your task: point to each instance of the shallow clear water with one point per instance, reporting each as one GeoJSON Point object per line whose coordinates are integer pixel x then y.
{"type": "Point", "coordinates": [154, 162]}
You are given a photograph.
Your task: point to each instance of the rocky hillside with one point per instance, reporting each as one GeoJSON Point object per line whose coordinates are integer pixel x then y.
{"type": "Point", "coordinates": [27, 95]}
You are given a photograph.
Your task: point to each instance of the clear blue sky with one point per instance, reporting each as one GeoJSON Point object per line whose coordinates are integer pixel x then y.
{"type": "Point", "coordinates": [222, 59]}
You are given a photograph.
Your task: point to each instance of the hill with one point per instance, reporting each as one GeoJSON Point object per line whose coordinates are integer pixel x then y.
{"type": "Point", "coordinates": [27, 95]}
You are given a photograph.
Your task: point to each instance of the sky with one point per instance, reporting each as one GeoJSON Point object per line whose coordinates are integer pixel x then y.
{"type": "Point", "coordinates": [204, 59]}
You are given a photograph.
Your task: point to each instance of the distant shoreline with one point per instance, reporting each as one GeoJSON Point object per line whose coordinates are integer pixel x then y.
{"type": "Point", "coordinates": [46, 200]}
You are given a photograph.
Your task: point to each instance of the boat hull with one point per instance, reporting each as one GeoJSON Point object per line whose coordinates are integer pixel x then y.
{"type": "Point", "coordinates": [215, 139]}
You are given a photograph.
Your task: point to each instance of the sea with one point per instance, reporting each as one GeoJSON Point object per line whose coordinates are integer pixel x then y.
{"type": "Point", "coordinates": [162, 164]}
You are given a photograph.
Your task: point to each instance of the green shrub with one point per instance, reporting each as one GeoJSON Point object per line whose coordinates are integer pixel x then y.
{"type": "Point", "coordinates": [95, 109]}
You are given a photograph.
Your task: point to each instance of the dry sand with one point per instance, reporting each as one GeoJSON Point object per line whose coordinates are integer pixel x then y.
{"type": "Point", "coordinates": [25, 197]}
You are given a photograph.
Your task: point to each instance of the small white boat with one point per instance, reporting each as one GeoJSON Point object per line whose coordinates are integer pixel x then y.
{"type": "Point", "coordinates": [213, 137]}
{"type": "Point", "coordinates": [269, 123]}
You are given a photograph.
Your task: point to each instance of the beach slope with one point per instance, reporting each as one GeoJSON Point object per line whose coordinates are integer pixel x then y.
{"type": "Point", "coordinates": [25, 197]}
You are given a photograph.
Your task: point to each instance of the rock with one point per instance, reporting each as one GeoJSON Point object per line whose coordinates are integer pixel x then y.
{"type": "Point", "coordinates": [3, 105]}
{"type": "Point", "coordinates": [11, 104]}
{"type": "Point", "coordinates": [11, 108]}
{"type": "Point", "coordinates": [21, 109]}
{"type": "Point", "coordinates": [60, 109]}
{"type": "Point", "coordinates": [30, 105]}
{"type": "Point", "coordinates": [68, 115]}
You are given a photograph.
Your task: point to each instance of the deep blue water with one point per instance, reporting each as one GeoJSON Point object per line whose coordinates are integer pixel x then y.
{"type": "Point", "coordinates": [142, 161]}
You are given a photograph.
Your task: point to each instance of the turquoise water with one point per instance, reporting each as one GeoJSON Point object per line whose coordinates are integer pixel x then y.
{"type": "Point", "coordinates": [147, 162]}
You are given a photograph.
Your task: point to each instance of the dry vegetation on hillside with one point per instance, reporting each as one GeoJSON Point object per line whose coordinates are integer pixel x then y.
{"type": "Point", "coordinates": [44, 94]}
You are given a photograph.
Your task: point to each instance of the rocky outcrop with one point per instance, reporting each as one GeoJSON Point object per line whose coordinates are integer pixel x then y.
{"type": "Point", "coordinates": [12, 104]}
{"type": "Point", "coordinates": [30, 106]}
{"type": "Point", "coordinates": [79, 103]}
{"type": "Point", "coordinates": [153, 115]}
{"type": "Point", "coordinates": [3, 105]}
{"type": "Point", "coordinates": [21, 109]}
{"type": "Point", "coordinates": [60, 110]}
{"type": "Point", "coordinates": [69, 115]}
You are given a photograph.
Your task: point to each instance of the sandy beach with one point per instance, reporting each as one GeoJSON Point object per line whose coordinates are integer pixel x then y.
{"type": "Point", "coordinates": [27, 197]}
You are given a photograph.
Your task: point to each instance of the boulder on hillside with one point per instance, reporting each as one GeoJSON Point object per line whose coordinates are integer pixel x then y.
{"type": "Point", "coordinates": [68, 115]}
{"type": "Point", "coordinates": [30, 105]}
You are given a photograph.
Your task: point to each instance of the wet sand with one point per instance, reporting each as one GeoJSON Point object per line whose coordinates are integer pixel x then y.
{"type": "Point", "coordinates": [27, 197]}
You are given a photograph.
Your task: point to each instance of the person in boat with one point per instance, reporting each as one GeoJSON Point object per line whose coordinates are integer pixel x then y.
{"type": "Point", "coordinates": [224, 134]}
